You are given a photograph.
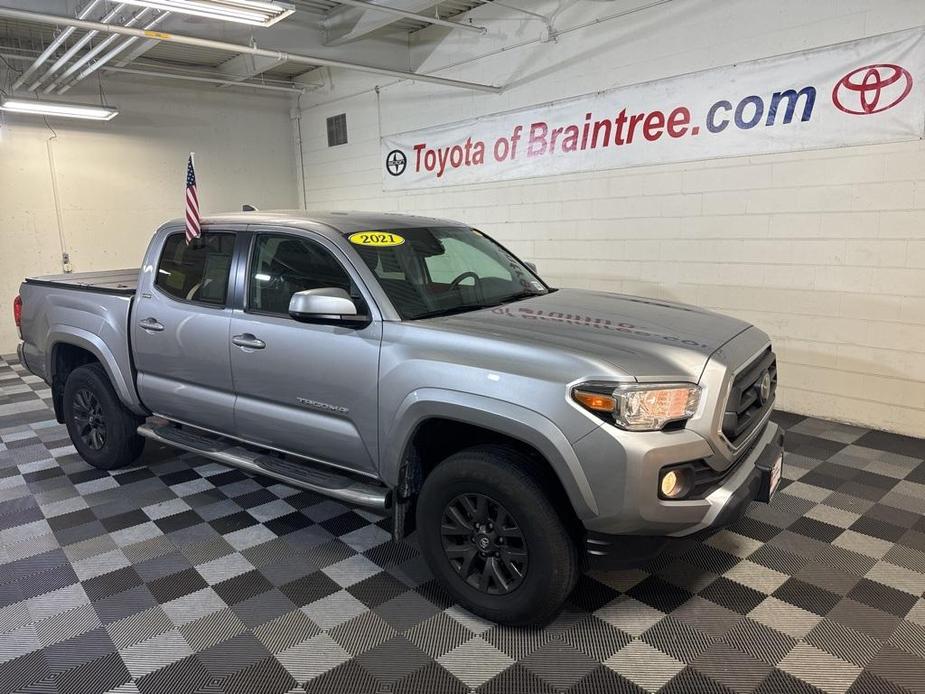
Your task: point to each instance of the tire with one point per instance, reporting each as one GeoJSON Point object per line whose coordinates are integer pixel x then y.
{"type": "Point", "coordinates": [451, 496]}
{"type": "Point", "coordinates": [91, 404]}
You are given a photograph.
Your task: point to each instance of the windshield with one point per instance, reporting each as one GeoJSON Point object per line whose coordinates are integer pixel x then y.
{"type": "Point", "coordinates": [435, 271]}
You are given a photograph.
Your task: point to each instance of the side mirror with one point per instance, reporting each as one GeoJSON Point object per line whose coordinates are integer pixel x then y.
{"type": "Point", "coordinates": [327, 303]}
{"type": "Point", "coordinates": [532, 266]}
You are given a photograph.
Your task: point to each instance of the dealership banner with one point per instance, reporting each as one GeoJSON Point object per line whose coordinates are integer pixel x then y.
{"type": "Point", "coordinates": [862, 92]}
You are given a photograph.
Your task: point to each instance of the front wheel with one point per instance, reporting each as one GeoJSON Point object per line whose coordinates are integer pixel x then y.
{"type": "Point", "coordinates": [102, 430]}
{"type": "Point", "coordinates": [492, 536]}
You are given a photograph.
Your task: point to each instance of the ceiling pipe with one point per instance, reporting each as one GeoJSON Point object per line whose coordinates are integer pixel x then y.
{"type": "Point", "coordinates": [53, 46]}
{"type": "Point", "coordinates": [41, 18]}
{"type": "Point", "coordinates": [112, 53]}
{"type": "Point", "coordinates": [91, 54]}
{"type": "Point", "coordinates": [498, 3]}
{"type": "Point", "coordinates": [413, 15]}
{"type": "Point", "coordinates": [77, 47]}
{"type": "Point", "coordinates": [223, 80]}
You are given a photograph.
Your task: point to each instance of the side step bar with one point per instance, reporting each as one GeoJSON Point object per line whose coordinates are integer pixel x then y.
{"type": "Point", "coordinates": [228, 452]}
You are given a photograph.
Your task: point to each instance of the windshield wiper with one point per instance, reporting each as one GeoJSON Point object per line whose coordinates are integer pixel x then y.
{"type": "Point", "coordinates": [518, 297]}
{"type": "Point", "coordinates": [452, 310]}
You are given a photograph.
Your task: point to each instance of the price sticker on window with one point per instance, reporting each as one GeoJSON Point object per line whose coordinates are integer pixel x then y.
{"type": "Point", "coordinates": [379, 239]}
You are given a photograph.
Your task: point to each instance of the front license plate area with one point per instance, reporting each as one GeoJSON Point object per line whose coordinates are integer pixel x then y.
{"type": "Point", "coordinates": [770, 479]}
{"type": "Point", "coordinates": [776, 473]}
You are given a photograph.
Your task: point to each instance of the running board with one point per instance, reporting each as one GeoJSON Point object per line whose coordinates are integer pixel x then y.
{"type": "Point", "coordinates": [228, 452]}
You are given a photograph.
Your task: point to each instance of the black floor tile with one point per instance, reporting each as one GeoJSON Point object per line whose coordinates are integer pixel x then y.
{"type": "Point", "coordinates": [807, 596]}
{"type": "Point", "coordinates": [893, 443]}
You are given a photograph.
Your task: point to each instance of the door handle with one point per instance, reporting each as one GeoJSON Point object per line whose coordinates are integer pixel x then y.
{"type": "Point", "coordinates": [151, 325]}
{"type": "Point", "coordinates": [248, 341]}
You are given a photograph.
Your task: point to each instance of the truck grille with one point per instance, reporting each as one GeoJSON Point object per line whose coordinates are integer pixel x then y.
{"type": "Point", "coordinates": [745, 407]}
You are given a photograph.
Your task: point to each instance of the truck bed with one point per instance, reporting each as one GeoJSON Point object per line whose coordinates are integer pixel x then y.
{"type": "Point", "coordinates": [109, 281]}
{"type": "Point", "coordinates": [85, 310]}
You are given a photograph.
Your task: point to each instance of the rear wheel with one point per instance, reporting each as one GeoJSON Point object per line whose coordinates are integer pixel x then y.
{"type": "Point", "coordinates": [102, 430]}
{"type": "Point", "coordinates": [492, 536]}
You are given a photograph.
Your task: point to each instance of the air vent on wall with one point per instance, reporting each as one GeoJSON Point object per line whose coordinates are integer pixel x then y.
{"type": "Point", "coordinates": [337, 130]}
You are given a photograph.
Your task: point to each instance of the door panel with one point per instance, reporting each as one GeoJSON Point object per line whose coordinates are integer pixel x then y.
{"type": "Point", "coordinates": [311, 388]}
{"type": "Point", "coordinates": [180, 326]}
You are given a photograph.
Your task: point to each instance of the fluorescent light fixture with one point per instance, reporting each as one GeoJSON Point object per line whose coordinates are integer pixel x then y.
{"type": "Point", "coordinates": [256, 12]}
{"type": "Point", "coordinates": [56, 108]}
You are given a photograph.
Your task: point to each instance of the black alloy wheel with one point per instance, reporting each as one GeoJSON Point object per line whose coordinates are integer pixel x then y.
{"type": "Point", "coordinates": [492, 535]}
{"type": "Point", "coordinates": [102, 429]}
{"type": "Point", "coordinates": [484, 544]}
{"type": "Point", "coordinates": [88, 416]}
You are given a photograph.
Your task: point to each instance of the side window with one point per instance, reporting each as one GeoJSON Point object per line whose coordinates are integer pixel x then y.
{"type": "Point", "coordinates": [283, 265]}
{"type": "Point", "coordinates": [197, 271]}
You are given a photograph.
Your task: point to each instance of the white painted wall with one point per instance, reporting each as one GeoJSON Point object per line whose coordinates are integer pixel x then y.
{"type": "Point", "coordinates": [823, 250]}
{"type": "Point", "coordinates": [117, 181]}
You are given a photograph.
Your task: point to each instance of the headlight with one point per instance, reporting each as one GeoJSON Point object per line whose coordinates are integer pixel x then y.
{"type": "Point", "coordinates": [639, 407]}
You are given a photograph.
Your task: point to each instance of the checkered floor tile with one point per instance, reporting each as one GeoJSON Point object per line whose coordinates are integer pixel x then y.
{"type": "Point", "coordinates": [182, 575]}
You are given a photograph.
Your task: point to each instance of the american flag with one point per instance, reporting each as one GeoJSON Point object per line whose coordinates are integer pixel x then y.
{"type": "Point", "coordinates": [193, 226]}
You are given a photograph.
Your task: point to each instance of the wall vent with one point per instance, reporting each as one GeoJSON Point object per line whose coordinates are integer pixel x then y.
{"type": "Point", "coordinates": [337, 130]}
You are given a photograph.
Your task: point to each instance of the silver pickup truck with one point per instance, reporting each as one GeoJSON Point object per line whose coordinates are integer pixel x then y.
{"type": "Point", "coordinates": [416, 366]}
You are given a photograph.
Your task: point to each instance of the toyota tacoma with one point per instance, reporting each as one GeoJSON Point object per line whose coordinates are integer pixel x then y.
{"type": "Point", "coordinates": [416, 366]}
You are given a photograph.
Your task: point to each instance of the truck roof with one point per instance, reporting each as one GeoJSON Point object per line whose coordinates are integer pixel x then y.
{"type": "Point", "coordinates": [346, 222]}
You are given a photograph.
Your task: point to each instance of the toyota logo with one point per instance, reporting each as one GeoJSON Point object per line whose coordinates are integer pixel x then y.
{"type": "Point", "coordinates": [395, 162]}
{"type": "Point", "coordinates": [764, 388]}
{"type": "Point", "coordinates": [872, 89]}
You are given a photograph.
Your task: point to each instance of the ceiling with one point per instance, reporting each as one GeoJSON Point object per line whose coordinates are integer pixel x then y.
{"type": "Point", "coordinates": [322, 28]}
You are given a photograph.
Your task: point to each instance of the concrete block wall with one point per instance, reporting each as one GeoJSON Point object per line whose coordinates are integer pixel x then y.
{"type": "Point", "coordinates": [824, 250]}
{"type": "Point", "coordinates": [118, 181]}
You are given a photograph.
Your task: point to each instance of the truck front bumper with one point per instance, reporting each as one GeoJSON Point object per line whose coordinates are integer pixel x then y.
{"type": "Point", "coordinates": [633, 520]}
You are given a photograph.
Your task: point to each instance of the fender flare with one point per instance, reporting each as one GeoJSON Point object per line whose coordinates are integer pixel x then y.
{"type": "Point", "coordinates": [518, 422]}
{"type": "Point", "coordinates": [84, 339]}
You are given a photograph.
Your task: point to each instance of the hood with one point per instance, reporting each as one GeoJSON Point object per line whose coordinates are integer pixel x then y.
{"type": "Point", "coordinates": [647, 339]}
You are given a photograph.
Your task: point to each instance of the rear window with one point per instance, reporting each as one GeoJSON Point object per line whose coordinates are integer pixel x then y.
{"type": "Point", "coordinates": [198, 271]}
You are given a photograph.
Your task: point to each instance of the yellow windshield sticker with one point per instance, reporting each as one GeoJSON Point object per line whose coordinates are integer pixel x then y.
{"type": "Point", "coordinates": [376, 238]}
{"type": "Point", "coordinates": [158, 35]}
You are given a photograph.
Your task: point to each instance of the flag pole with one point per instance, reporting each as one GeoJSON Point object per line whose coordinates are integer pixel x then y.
{"type": "Point", "coordinates": [192, 206]}
{"type": "Point", "coordinates": [192, 157]}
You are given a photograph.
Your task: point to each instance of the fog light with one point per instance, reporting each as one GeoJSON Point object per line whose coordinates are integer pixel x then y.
{"type": "Point", "coordinates": [674, 483]}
